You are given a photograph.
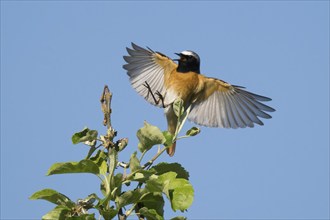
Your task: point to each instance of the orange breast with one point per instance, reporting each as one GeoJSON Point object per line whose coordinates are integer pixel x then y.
{"type": "Point", "coordinates": [186, 85]}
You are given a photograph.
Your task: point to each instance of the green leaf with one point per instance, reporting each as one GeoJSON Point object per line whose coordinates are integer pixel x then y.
{"type": "Point", "coordinates": [129, 197]}
{"type": "Point", "coordinates": [160, 183]}
{"type": "Point", "coordinates": [149, 136]}
{"type": "Point", "coordinates": [150, 214]}
{"type": "Point", "coordinates": [178, 190]}
{"type": "Point", "coordinates": [193, 131]}
{"type": "Point", "coordinates": [181, 194]}
{"type": "Point", "coordinates": [117, 184]}
{"type": "Point", "coordinates": [103, 188]}
{"type": "Point", "coordinates": [100, 159]}
{"type": "Point", "coordinates": [82, 217]}
{"type": "Point", "coordinates": [162, 168]}
{"type": "Point", "coordinates": [142, 175]}
{"type": "Point", "coordinates": [108, 214]}
{"type": "Point", "coordinates": [166, 179]}
{"type": "Point", "coordinates": [178, 107]}
{"type": "Point", "coordinates": [169, 138]}
{"type": "Point", "coordinates": [90, 152]}
{"type": "Point", "coordinates": [88, 202]}
{"type": "Point", "coordinates": [134, 163]}
{"type": "Point", "coordinates": [154, 184]}
{"type": "Point", "coordinates": [179, 218]}
{"type": "Point", "coordinates": [83, 166]}
{"type": "Point", "coordinates": [53, 196]}
{"type": "Point", "coordinates": [154, 201]}
{"type": "Point", "coordinates": [122, 143]}
{"type": "Point", "coordinates": [85, 135]}
{"type": "Point", "coordinates": [59, 212]}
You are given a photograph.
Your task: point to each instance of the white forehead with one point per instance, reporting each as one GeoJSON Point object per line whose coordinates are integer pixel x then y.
{"type": "Point", "coordinates": [188, 53]}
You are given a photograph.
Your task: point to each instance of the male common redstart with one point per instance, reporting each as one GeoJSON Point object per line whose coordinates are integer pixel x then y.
{"type": "Point", "coordinates": [214, 102]}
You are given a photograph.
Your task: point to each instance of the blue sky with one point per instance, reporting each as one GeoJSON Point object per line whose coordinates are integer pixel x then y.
{"type": "Point", "coordinates": [56, 56]}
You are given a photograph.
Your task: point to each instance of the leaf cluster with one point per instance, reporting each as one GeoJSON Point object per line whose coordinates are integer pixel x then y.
{"type": "Point", "coordinates": [132, 188]}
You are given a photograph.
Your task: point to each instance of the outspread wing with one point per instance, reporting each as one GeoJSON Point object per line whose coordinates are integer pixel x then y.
{"type": "Point", "coordinates": [145, 65]}
{"type": "Point", "coordinates": [223, 105]}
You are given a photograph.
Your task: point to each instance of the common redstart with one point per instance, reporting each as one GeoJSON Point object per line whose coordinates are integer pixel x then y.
{"type": "Point", "coordinates": [213, 102]}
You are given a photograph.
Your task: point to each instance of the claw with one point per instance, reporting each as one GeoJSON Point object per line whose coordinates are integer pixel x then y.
{"type": "Point", "coordinates": [160, 96]}
{"type": "Point", "coordinates": [145, 84]}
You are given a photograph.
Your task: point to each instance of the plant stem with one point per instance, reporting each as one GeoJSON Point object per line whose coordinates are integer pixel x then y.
{"type": "Point", "coordinates": [178, 129]}
{"type": "Point", "coordinates": [182, 137]}
{"type": "Point", "coordinates": [105, 100]}
{"type": "Point", "coordinates": [154, 158]}
{"type": "Point", "coordinates": [181, 122]}
{"type": "Point", "coordinates": [144, 152]}
{"type": "Point", "coordinates": [128, 213]}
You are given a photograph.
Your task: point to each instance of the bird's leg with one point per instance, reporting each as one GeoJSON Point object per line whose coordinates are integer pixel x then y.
{"type": "Point", "coordinates": [160, 96]}
{"type": "Point", "coordinates": [145, 84]}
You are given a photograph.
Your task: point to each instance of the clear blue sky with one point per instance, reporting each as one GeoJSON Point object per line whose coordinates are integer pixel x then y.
{"type": "Point", "coordinates": [56, 56]}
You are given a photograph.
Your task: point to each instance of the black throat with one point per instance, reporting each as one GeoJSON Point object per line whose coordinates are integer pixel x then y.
{"type": "Point", "coordinates": [185, 67]}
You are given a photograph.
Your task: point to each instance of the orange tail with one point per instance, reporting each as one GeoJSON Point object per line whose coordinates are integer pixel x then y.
{"type": "Point", "coordinates": [171, 150]}
{"type": "Point", "coordinates": [172, 121]}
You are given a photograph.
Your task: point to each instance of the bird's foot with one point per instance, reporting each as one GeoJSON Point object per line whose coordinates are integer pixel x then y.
{"type": "Point", "coordinates": [157, 93]}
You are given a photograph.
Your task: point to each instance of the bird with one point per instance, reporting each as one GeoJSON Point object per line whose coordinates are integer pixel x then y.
{"type": "Point", "coordinates": [213, 102]}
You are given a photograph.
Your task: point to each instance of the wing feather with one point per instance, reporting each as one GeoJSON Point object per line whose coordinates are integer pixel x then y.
{"type": "Point", "coordinates": [145, 65]}
{"type": "Point", "coordinates": [228, 106]}
{"type": "Point", "coordinates": [237, 114]}
{"type": "Point", "coordinates": [248, 116]}
{"type": "Point", "coordinates": [230, 116]}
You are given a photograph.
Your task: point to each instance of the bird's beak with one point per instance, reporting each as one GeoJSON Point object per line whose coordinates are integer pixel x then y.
{"type": "Point", "coordinates": [179, 54]}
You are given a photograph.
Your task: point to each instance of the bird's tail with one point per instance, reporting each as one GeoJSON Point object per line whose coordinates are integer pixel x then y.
{"type": "Point", "coordinates": [171, 150]}
{"type": "Point", "coordinates": [172, 121]}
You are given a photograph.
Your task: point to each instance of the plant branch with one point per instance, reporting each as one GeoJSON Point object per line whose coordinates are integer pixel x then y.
{"type": "Point", "coordinates": [144, 152]}
{"type": "Point", "coordinates": [105, 100]}
{"type": "Point", "coordinates": [128, 212]}
{"type": "Point", "coordinates": [178, 129]}
{"type": "Point", "coordinates": [181, 122]}
{"type": "Point", "coordinates": [150, 162]}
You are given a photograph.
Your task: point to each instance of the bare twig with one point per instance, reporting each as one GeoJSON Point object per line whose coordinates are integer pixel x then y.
{"type": "Point", "coordinates": [106, 106]}
{"type": "Point", "coordinates": [105, 100]}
